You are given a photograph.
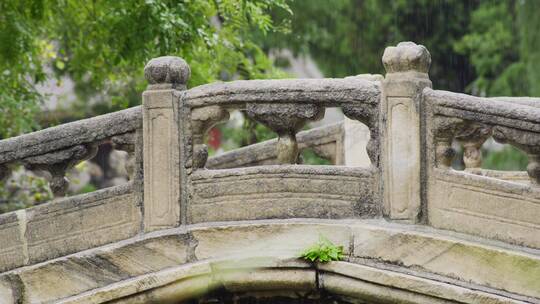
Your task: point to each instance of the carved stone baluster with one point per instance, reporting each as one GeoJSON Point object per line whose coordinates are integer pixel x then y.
{"type": "Point", "coordinates": [126, 142]}
{"type": "Point", "coordinates": [472, 136]}
{"type": "Point", "coordinates": [527, 141]}
{"type": "Point", "coordinates": [57, 163]}
{"type": "Point", "coordinates": [445, 129]}
{"type": "Point", "coordinates": [202, 120]}
{"type": "Point", "coordinates": [285, 120]}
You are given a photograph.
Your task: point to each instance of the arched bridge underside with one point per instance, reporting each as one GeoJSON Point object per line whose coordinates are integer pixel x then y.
{"type": "Point", "coordinates": [257, 262]}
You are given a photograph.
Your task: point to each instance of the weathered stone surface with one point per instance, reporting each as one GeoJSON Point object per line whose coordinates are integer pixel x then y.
{"type": "Point", "coordinates": [370, 283]}
{"type": "Point", "coordinates": [7, 291]}
{"type": "Point", "coordinates": [284, 117]}
{"type": "Point", "coordinates": [167, 72]}
{"type": "Point", "coordinates": [13, 244]}
{"type": "Point", "coordinates": [285, 120]}
{"type": "Point", "coordinates": [390, 261]}
{"type": "Point", "coordinates": [162, 182]}
{"type": "Point", "coordinates": [407, 65]}
{"type": "Point", "coordinates": [85, 272]}
{"type": "Point", "coordinates": [321, 92]}
{"type": "Point", "coordinates": [451, 257]}
{"type": "Point", "coordinates": [483, 110]}
{"type": "Point", "coordinates": [86, 131]}
{"type": "Point", "coordinates": [514, 176]}
{"type": "Point", "coordinates": [282, 192]}
{"type": "Point", "coordinates": [279, 240]}
{"type": "Point", "coordinates": [185, 282]}
{"type": "Point", "coordinates": [485, 207]}
{"type": "Point", "coordinates": [82, 222]}
{"type": "Point", "coordinates": [58, 162]}
{"type": "Point", "coordinates": [406, 56]}
{"type": "Point", "coordinates": [528, 101]}
{"type": "Point", "coordinates": [472, 137]}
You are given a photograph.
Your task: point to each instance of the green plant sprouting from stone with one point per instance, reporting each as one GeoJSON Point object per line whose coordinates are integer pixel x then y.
{"type": "Point", "coordinates": [323, 251]}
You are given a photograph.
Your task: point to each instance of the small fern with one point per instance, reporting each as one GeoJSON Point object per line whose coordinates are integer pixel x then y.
{"type": "Point", "coordinates": [323, 251]}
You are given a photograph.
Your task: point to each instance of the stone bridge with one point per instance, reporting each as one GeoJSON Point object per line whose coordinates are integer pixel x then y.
{"type": "Point", "coordinates": [229, 229]}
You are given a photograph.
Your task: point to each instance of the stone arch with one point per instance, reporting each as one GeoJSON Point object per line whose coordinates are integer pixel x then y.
{"type": "Point", "coordinates": [268, 278]}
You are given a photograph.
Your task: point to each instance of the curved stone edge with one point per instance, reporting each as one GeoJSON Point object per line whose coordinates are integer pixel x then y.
{"type": "Point", "coordinates": [527, 101]}
{"type": "Point", "coordinates": [327, 92]}
{"type": "Point", "coordinates": [69, 225]}
{"type": "Point", "coordinates": [280, 192]}
{"type": "Point", "coordinates": [286, 169]}
{"type": "Point", "coordinates": [274, 274]}
{"type": "Point", "coordinates": [85, 131]}
{"type": "Point", "coordinates": [494, 111]}
{"type": "Point", "coordinates": [498, 272]}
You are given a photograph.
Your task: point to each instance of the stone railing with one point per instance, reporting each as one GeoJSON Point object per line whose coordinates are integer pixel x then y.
{"type": "Point", "coordinates": [497, 204]}
{"type": "Point", "coordinates": [176, 120]}
{"type": "Point", "coordinates": [53, 151]}
{"type": "Point", "coordinates": [80, 222]}
{"type": "Point", "coordinates": [325, 141]}
{"type": "Point", "coordinates": [174, 184]}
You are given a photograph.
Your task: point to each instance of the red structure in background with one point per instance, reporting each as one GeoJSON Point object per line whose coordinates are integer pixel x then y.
{"type": "Point", "coordinates": [214, 138]}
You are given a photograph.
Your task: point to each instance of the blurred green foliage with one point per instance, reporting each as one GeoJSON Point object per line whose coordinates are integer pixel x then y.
{"type": "Point", "coordinates": [23, 192]}
{"type": "Point", "coordinates": [508, 159]}
{"type": "Point", "coordinates": [348, 37]}
{"type": "Point", "coordinates": [503, 45]}
{"type": "Point", "coordinates": [103, 46]}
{"type": "Point", "coordinates": [309, 157]}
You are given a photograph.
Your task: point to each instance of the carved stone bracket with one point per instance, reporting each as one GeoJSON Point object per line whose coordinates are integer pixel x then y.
{"type": "Point", "coordinates": [529, 142]}
{"type": "Point", "coordinates": [368, 115]}
{"type": "Point", "coordinates": [57, 163]}
{"type": "Point", "coordinates": [202, 120]}
{"type": "Point", "coordinates": [445, 129]}
{"type": "Point", "coordinates": [285, 120]}
{"type": "Point", "coordinates": [472, 136]}
{"type": "Point", "coordinates": [126, 142]}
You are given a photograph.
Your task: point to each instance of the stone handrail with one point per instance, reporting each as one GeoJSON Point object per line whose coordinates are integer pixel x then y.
{"type": "Point", "coordinates": [527, 101]}
{"type": "Point", "coordinates": [282, 105]}
{"type": "Point", "coordinates": [325, 92]}
{"type": "Point", "coordinates": [511, 112]}
{"type": "Point", "coordinates": [56, 149]}
{"type": "Point", "coordinates": [472, 120]}
{"type": "Point", "coordinates": [176, 121]}
{"type": "Point", "coordinates": [496, 204]}
{"type": "Point", "coordinates": [326, 141]}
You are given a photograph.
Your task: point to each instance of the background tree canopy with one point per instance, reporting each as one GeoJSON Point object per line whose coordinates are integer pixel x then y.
{"type": "Point", "coordinates": [103, 45]}
{"type": "Point", "coordinates": [488, 48]}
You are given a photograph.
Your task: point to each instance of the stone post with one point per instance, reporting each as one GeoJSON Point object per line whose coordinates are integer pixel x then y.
{"type": "Point", "coordinates": [407, 67]}
{"type": "Point", "coordinates": [167, 77]}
